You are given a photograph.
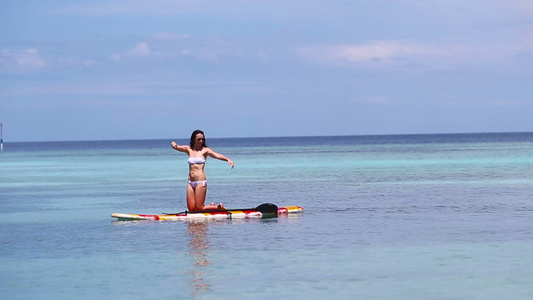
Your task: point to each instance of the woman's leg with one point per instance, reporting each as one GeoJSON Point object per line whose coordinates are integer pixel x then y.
{"type": "Point", "coordinates": [196, 199]}
{"type": "Point", "coordinates": [199, 197]}
{"type": "Point", "coordinates": [191, 200]}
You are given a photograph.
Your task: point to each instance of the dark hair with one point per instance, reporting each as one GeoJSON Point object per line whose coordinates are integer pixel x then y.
{"type": "Point", "coordinates": [193, 137]}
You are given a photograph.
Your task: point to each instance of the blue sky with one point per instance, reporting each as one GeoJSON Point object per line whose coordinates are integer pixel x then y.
{"type": "Point", "coordinates": [99, 70]}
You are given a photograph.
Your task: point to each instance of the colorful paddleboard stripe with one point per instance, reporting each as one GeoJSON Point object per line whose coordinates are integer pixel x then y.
{"type": "Point", "coordinates": [230, 214]}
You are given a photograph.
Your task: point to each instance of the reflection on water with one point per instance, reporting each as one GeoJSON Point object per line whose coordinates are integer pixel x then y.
{"type": "Point", "coordinates": [198, 249]}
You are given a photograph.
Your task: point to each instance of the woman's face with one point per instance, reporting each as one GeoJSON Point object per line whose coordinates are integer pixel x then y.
{"type": "Point", "coordinates": [199, 140]}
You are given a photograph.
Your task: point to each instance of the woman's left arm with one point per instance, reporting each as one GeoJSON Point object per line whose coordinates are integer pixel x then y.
{"type": "Point", "coordinates": [217, 155]}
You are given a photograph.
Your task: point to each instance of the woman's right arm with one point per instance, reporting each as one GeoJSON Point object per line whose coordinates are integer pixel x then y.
{"type": "Point", "coordinates": [180, 148]}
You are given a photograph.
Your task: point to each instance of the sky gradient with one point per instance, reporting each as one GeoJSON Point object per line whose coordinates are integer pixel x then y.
{"type": "Point", "coordinates": [101, 70]}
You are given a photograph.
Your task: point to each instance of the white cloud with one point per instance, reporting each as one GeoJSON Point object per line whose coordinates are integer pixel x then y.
{"type": "Point", "coordinates": [116, 56]}
{"type": "Point", "coordinates": [27, 58]}
{"type": "Point", "coordinates": [375, 54]}
{"type": "Point", "coordinates": [141, 49]}
{"type": "Point", "coordinates": [435, 54]}
{"type": "Point", "coordinates": [206, 55]}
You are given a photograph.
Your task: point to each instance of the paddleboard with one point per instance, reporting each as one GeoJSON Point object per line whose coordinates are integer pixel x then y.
{"type": "Point", "coordinates": [262, 211]}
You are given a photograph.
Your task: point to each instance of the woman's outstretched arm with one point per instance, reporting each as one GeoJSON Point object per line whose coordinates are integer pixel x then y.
{"type": "Point", "coordinates": [217, 155]}
{"type": "Point", "coordinates": [181, 148]}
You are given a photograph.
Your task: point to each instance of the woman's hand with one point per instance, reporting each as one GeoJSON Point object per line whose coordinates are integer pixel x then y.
{"type": "Point", "coordinates": [232, 165]}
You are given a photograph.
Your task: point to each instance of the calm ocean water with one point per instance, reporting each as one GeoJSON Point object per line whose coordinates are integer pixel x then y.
{"type": "Point", "coordinates": [387, 217]}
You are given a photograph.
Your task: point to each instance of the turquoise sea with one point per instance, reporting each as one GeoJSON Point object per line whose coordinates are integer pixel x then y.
{"type": "Point", "coordinates": [387, 217]}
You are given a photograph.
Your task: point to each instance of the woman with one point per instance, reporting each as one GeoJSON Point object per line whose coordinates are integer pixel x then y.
{"type": "Point", "coordinates": [197, 184]}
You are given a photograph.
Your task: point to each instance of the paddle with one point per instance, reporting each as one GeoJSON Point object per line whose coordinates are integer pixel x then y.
{"type": "Point", "coordinates": [265, 209]}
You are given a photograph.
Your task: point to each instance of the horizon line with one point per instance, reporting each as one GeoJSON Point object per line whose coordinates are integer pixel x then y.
{"type": "Point", "coordinates": [270, 137]}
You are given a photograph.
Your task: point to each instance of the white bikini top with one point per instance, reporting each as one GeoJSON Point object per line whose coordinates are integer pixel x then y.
{"type": "Point", "coordinates": [196, 160]}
